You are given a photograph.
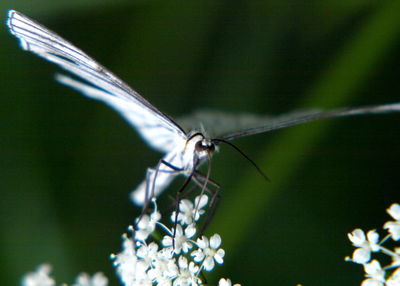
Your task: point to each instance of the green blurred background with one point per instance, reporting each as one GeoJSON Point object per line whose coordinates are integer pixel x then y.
{"type": "Point", "coordinates": [68, 163]}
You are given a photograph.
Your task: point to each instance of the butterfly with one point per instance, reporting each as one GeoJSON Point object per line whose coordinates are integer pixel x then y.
{"type": "Point", "coordinates": [184, 149]}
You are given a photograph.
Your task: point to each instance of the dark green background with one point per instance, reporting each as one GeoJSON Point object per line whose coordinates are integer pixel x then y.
{"type": "Point", "coordinates": [67, 163]}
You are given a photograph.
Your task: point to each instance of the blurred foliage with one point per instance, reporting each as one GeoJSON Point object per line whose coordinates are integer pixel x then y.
{"type": "Point", "coordinates": [68, 163]}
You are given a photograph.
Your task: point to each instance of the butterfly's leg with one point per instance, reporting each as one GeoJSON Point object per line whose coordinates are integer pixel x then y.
{"type": "Point", "coordinates": [178, 200]}
{"type": "Point", "coordinates": [211, 210]}
{"type": "Point", "coordinates": [200, 179]}
{"type": "Point", "coordinates": [151, 178]}
{"type": "Point", "coordinates": [147, 196]}
{"type": "Point", "coordinates": [178, 194]}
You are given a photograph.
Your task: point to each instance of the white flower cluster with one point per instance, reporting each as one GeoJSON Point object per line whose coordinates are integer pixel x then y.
{"type": "Point", "coordinates": [366, 244]}
{"type": "Point", "coordinates": [178, 258]}
{"type": "Point", "coordinates": [41, 277]}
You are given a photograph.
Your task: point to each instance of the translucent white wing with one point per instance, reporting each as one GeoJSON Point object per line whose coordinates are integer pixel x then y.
{"type": "Point", "coordinates": [229, 126]}
{"type": "Point", "coordinates": [160, 137]}
{"type": "Point", "coordinates": [291, 120]}
{"type": "Point", "coordinates": [217, 123]}
{"type": "Point", "coordinates": [153, 125]}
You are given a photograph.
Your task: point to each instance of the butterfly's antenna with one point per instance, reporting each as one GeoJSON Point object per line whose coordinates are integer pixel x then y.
{"type": "Point", "coordinates": [244, 155]}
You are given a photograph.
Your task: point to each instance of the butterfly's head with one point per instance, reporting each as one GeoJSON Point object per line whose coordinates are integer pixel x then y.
{"type": "Point", "coordinates": [202, 146]}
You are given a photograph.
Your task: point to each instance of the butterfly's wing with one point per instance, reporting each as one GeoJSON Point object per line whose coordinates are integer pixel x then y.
{"type": "Point", "coordinates": [218, 123]}
{"type": "Point", "coordinates": [161, 137]}
{"type": "Point", "coordinates": [290, 120]}
{"type": "Point", "coordinates": [160, 131]}
{"type": "Point", "coordinates": [229, 126]}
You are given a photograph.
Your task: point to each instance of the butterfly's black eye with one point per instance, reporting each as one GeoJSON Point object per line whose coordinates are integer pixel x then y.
{"type": "Point", "coordinates": [204, 145]}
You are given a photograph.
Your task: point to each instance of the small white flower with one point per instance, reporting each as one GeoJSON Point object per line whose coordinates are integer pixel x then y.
{"type": "Point", "coordinates": [98, 279]}
{"type": "Point", "coordinates": [374, 273]}
{"type": "Point", "coordinates": [147, 253]}
{"type": "Point", "coordinates": [226, 282]}
{"type": "Point", "coordinates": [395, 258]}
{"type": "Point", "coordinates": [394, 279]}
{"type": "Point", "coordinates": [189, 212]}
{"type": "Point", "coordinates": [144, 262]}
{"type": "Point", "coordinates": [365, 245]}
{"type": "Point", "coordinates": [394, 211]}
{"type": "Point", "coordinates": [208, 251]}
{"type": "Point", "coordinates": [129, 268]}
{"type": "Point", "coordinates": [182, 241]}
{"type": "Point", "coordinates": [164, 269]}
{"type": "Point", "coordinates": [41, 277]}
{"type": "Point", "coordinates": [166, 253]}
{"type": "Point", "coordinates": [146, 225]}
{"type": "Point", "coordinates": [188, 272]}
{"type": "Point", "coordinates": [393, 227]}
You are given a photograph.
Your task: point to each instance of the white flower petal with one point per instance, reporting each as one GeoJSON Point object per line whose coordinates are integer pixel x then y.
{"type": "Point", "coordinates": [371, 282]}
{"type": "Point", "coordinates": [41, 277]}
{"type": "Point", "coordinates": [202, 242]}
{"type": "Point", "coordinates": [143, 222]}
{"type": "Point", "coordinates": [178, 230]}
{"type": "Point", "coordinates": [190, 231]}
{"type": "Point", "coordinates": [394, 279]}
{"type": "Point", "coordinates": [185, 206]}
{"type": "Point", "coordinates": [374, 270]}
{"type": "Point", "coordinates": [224, 282]}
{"type": "Point", "coordinates": [394, 211]}
{"type": "Point", "coordinates": [215, 241]}
{"type": "Point", "coordinates": [201, 202]}
{"type": "Point", "coordinates": [361, 255]}
{"type": "Point", "coordinates": [198, 255]}
{"type": "Point", "coordinates": [219, 256]}
{"type": "Point", "coordinates": [183, 262]}
{"type": "Point", "coordinates": [357, 237]}
{"type": "Point", "coordinates": [208, 263]}
{"type": "Point", "coordinates": [373, 236]}
{"type": "Point", "coordinates": [98, 279]}
{"type": "Point", "coordinates": [186, 246]}
{"type": "Point", "coordinates": [167, 241]}
{"type": "Point", "coordinates": [394, 229]}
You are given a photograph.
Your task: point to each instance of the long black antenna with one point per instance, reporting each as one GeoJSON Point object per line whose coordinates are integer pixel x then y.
{"type": "Point", "coordinates": [244, 155]}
